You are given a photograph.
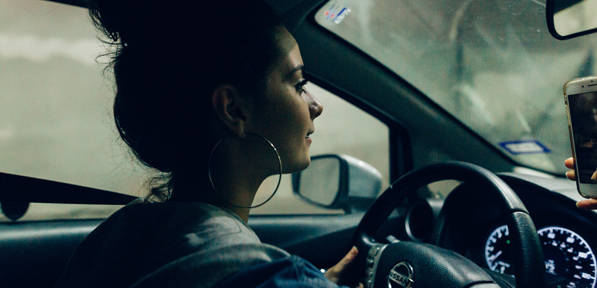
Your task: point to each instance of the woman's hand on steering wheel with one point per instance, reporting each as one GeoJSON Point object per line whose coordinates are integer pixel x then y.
{"type": "Point", "coordinates": [334, 274]}
{"type": "Point", "coordinates": [587, 204]}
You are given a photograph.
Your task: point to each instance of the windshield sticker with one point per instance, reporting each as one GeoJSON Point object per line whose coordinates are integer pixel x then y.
{"type": "Point", "coordinates": [524, 147]}
{"type": "Point", "coordinates": [336, 13]}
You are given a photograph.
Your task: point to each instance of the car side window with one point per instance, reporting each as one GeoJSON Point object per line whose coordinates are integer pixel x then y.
{"type": "Point", "coordinates": [56, 122]}
{"type": "Point", "coordinates": [55, 107]}
{"type": "Point", "coordinates": [342, 128]}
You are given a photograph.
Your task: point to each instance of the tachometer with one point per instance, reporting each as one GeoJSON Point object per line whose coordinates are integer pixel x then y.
{"type": "Point", "coordinates": [569, 260]}
{"type": "Point", "coordinates": [497, 251]}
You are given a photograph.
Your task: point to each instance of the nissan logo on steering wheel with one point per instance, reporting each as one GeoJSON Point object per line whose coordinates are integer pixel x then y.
{"type": "Point", "coordinates": [401, 276]}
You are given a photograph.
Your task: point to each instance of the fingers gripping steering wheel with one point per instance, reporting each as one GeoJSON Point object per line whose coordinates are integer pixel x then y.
{"type": "Point", "coordinates": [412, 264]}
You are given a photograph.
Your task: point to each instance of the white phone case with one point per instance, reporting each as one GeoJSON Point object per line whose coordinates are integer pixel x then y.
{"type": "Point", "coordinates": [581, 108]}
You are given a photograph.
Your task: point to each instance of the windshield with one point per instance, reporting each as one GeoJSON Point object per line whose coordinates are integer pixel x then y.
{"type": "Point", "coordinates": [491, 64]}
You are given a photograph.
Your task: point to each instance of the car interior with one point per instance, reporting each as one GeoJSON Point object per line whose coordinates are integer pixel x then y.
{"type": "Point", "coordinates": [465, 186]}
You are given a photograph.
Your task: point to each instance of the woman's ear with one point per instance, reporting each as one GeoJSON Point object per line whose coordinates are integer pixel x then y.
{"type": "Point", "coordinates": [231, 108]}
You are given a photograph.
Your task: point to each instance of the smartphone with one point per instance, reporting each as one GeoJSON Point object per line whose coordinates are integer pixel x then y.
{"type": "Point", "coordinates": [580, 96]}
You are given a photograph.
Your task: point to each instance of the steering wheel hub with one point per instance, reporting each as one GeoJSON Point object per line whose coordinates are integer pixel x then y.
{"type": "Point", "coordinates": [401, 276]}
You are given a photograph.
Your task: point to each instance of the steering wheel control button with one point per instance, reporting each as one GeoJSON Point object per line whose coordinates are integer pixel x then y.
{"type": "Point", "coordinates": [374, 251]}
{"type": "Point", "coordinates": [401, 276]}
{"type": "Point", "coordinates": [373, 257]}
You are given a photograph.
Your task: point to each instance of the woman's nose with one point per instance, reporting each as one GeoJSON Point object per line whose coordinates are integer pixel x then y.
{"type": "Point", "coordinates": [315, 107]}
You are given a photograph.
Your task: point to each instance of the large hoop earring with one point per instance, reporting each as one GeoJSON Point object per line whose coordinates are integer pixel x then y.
{"type": "Point", "coordinates": [232, 204]}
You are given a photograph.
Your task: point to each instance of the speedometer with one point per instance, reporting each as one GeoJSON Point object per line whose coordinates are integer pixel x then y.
{"type": "Point", "coordinates": [569, 260]}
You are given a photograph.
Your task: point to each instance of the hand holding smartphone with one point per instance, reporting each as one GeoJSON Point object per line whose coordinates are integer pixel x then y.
{"type": "Point", "coordinates": [587, 204]}
{"type": "Point", "coordinates": [581, 107]}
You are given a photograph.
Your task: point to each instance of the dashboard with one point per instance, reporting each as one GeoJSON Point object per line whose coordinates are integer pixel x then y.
{"type": "Point", "coordinates": [476, 229]}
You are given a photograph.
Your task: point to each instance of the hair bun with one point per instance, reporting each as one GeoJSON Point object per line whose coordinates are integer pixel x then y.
{"type": "Point", "coordinates": [130, 21]}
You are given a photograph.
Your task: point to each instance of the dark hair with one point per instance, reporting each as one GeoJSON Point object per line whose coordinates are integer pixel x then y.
{"type": "Point", "coordinates": [169, 57]}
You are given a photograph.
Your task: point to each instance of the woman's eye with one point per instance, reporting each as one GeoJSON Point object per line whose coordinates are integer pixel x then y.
{"type": "Point", "coordinates": [300, 86]}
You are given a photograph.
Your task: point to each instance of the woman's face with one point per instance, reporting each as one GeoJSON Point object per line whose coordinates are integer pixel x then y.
{"type": "Point", "coordinates": [286, 112]}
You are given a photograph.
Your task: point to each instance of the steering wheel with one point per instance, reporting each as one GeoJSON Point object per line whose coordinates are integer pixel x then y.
{"type": "Point", "coordinates": [412, 264]}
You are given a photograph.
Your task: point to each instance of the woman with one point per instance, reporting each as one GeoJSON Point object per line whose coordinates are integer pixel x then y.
{"type": "Point", "coordinates": [211, 94]}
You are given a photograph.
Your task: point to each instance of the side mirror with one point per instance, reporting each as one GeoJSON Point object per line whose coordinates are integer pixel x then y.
{"type": "Point", "coordinates": [571, 18]}
{"type": "Point", "coordinates": [338, 182]}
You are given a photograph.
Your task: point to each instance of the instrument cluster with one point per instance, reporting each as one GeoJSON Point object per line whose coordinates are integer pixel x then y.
{"type": "Point", "coordinates": [569, 259]}
{"type": "Point", "coordinates": [475, 228]}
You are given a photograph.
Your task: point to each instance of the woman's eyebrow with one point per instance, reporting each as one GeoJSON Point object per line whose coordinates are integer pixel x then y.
{"type": "Point", "coordinates": [295, 69]}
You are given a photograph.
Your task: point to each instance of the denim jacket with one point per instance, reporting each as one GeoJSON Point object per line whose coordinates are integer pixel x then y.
{"type": "Point", "coordinates": [287, 272]}
{"type": "Point", "coordinates": [182, 244]}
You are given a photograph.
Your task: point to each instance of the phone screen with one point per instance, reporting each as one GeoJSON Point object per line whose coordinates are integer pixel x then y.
{"type": "Point", "coordinates": [583, 119]}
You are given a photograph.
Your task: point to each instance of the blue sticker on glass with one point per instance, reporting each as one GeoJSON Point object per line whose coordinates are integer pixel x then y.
{"type": "Point", "coordinates": [336, 13]}
{"type": "Point", "coordinates": [524, 147]}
